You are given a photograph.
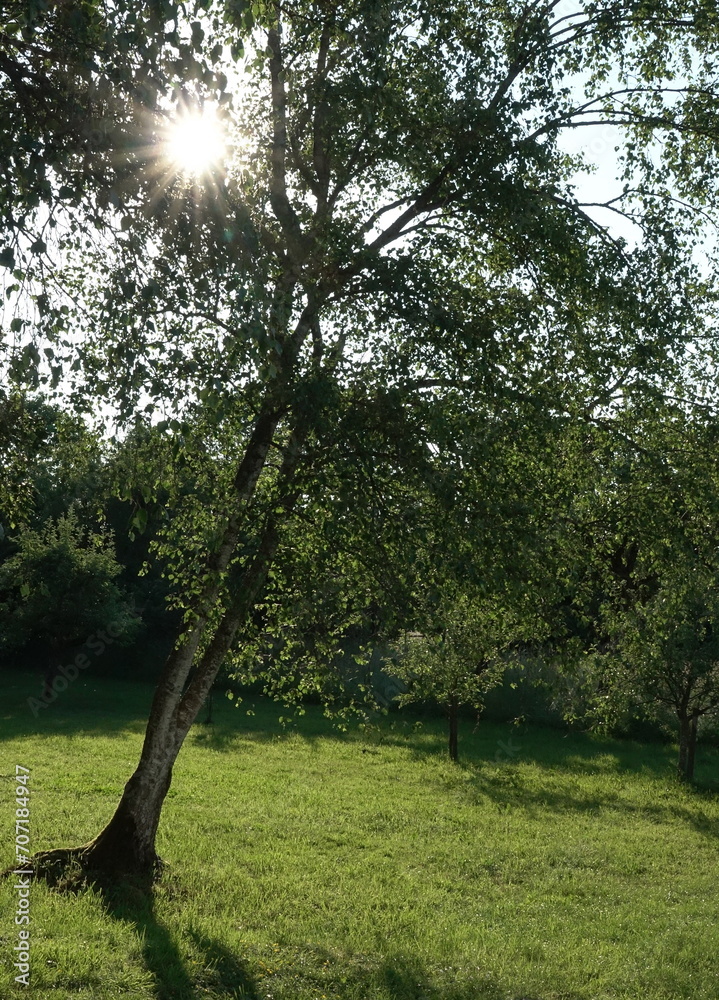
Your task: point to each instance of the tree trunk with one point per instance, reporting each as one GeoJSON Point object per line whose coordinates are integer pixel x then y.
{"type": "Point", "coordinates": [453, 720]}
{"type": "Point", "coordinates": [691, 750]}
{"type": "Point", "coordinates": [127, 844]}
{"type": "Point", "coordinates": [687, 747]}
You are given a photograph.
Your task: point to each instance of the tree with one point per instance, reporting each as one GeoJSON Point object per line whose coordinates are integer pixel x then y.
{"type": "Point", "coordinates": [59, 588]}
{"type": "Point", "coordinates": [459, 660]}
{"type": "Point", "coordinates": [396, 241]}
{"type": "Point", "coordinates": [670, 654]}
{"type": "Point", "coordinates": [49, 462]}
{"type": "Point", "coordinates": [652, 554]}
{"type": "Point", "coordinates": [487, 580]}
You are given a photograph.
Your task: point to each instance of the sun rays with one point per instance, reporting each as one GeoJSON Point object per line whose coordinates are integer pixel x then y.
{"type": "Point", "coordinates": [195, 143]}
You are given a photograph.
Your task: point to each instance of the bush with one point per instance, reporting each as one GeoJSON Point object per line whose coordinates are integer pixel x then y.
{"type": "Point", "coordinates": [59, 587]}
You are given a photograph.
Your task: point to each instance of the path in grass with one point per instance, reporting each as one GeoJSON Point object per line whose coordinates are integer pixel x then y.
{"type": "Point", "coordinates": [311, 864]}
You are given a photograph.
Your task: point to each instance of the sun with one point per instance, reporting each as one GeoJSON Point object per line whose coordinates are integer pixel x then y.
{"type": "Point", "coordinates": [196, 142]}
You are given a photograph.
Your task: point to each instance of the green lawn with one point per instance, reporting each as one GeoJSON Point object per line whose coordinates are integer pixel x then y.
{"type": "Point", "coordinates": [364, 866]}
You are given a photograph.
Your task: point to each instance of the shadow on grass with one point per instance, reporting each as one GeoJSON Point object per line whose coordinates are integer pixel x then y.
{"type": "Point", "coordinates": [87, 707]}
{"type": "Point", "coordinates": [220, 973]}
{"type": "Point", "coordinates": [560, 786]}
{"type": "Point", "coordinates": [489, 751]}
{"type": "Point", "coordinates": [398, 977]}
{"type": "Point", "coordinates": [570, 754]}
{"type": "Point", "coordinates": [404, 981]}
{"type": "Point", "coordinates": [108, 707]}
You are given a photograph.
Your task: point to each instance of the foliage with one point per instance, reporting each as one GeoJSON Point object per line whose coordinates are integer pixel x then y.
{"type": "Point", "coordinates": [50, 461]}
{"type": "Point", "coordinates": [460, 657]}
{"type": "Point", "coordinates": [77, 82]}
{"type": "Point", "coordinates": [669, 644]}
{"type": "Point", "coordinates": [648, 525]}
{"type": "Point", "coordinates": [59, 587]}
{"type": "Point", "coordinates": [332, 316]}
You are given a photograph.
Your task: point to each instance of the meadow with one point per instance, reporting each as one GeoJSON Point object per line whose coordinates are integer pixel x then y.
{"type": "Point", "coordinates": [304, 863]}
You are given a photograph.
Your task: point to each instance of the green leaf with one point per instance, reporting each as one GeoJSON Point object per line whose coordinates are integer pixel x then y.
{"type": "Point", "coordinates": [139, 520]}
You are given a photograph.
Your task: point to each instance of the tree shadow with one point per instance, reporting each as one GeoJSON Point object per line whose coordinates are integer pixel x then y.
{"type": "Point", "coordinates": [403, 980]}
{"type": "Point", "coordinates": [88, 706]}
{"type": "Point", "coordinates": [398, 977]}
{"type": "Point", "coordinates": [110, 707]}
{"type": "Point", "coordinates": [488, 750]}
{"type": "Point", "coordinates": [557, 751]}
{"type": "Point", "coordinates": [220, 972]}
{"type": "Point", "coordinates": [509, 788]}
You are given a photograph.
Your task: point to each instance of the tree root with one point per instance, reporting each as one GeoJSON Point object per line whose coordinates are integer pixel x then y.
{"type": "Point", "coordinates": [71, 869]}
{"type": "Point", "coordinates": [60, 868]}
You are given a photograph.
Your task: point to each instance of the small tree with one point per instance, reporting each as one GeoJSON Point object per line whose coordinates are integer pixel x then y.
{"type": "Point", "coordinates": [458, 658]}
{"type": "Point", "coordinates": [666, 655]}
{"type": "Point", "coordinates": [646, 512]}
{"type": "Point", "coordinates": [59, 587]}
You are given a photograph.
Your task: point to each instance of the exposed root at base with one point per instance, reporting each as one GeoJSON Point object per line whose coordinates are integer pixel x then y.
{"type": "Point", "coordinates": [71, 869]}
{"type": "Point", "coordinates": [57, 867]}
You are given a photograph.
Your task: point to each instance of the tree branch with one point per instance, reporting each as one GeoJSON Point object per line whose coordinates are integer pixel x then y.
{"type": "Point", "coordinates": [278, 179]}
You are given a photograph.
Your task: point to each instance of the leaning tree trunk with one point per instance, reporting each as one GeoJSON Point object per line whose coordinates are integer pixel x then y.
{"type": "Point", "coordinates": [126, 846]}
{"type": "Point", "coordinates": [453, 725]}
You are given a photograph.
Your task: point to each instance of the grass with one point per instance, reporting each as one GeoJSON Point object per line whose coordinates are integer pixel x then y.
{"type": "Point", "coordinates": [312, 865]}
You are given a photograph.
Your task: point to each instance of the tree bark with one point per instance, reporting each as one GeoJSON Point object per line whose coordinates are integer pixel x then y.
{"type": "Point", "coordinates": [687, 747]}
{"type": "Point", "coordinates": [127, 843]}
{"type": "Point", "coordinates": [691, 750]}
{"type": "Point", "coordinates": [453, 721]}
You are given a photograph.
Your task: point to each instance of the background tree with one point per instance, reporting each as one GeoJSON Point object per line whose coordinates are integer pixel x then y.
{"type": "Point", "coordinates": [669, 654]}
{"type": "Point", "coordinates": [52, 465]}
{"type": "Point", "coordinates": [51, 461]}
{"type": "Point", "coordinates": [461, 657]}
{"type": "Point", "coordinates": [397, 233]}
{"type": "Point", "coordinates": [646, 522]}
{"type": "Point", "coordinates": [59, 587]}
